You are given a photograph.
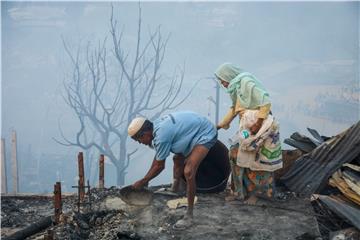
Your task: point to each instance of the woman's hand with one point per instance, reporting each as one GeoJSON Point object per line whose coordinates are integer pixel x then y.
{"type": "Point", "coordinates": [256, 127]}
{"type": "Point", "coordinates": [218, 127]}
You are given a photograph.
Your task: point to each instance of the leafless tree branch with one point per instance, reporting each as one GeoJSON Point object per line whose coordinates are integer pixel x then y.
{"type": "Point", "coordinates": [105, 103]}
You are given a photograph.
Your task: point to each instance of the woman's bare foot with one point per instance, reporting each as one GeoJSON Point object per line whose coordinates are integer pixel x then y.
{"type": "Point", "coordinates": [230, 198]}
{"type": "Point", "coordinates": [252, 200]}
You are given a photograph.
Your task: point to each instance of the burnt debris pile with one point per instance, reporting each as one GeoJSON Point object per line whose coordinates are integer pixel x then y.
{"type": "Point", "coordinates": [318, 198]}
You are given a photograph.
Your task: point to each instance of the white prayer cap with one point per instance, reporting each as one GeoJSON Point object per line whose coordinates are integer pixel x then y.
{"type": "Point", "coordinates": [135, 125]}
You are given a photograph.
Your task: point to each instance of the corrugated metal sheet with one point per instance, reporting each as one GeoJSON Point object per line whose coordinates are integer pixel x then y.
{"type": "Point", "coordinates": [310, 173]}
{"type": "Point", "coordinates": [343, 209]}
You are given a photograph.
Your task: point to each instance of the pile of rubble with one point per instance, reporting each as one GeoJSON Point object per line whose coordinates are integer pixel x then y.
{"type": "Point", "coordinates": [329, 172]}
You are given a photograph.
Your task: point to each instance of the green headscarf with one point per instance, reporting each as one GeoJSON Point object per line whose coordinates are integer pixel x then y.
{"type": "Point", "coordinates": [242, 86]}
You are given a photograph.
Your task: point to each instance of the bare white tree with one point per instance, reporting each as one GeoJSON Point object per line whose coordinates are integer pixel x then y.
{"type": "Point", "coordinates": [106, 91]}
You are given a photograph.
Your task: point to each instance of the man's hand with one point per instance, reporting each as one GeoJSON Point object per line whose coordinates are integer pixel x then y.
{"type": "Point", "coordinates": [156, 167]}
{"type": "Point", "coordinates": [256, 127]}
{"type": "Point", "coordinates": [140, 184]}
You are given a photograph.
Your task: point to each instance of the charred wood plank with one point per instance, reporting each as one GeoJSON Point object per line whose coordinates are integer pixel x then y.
{"type": "Point", "coordinates": [31, 230]}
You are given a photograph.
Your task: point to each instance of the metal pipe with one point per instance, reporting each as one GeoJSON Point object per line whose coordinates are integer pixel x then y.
{"type": "Point", "coordinates": [217, 103]}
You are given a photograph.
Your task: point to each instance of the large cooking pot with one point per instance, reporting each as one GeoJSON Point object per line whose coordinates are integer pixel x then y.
{"type": "Point", "coordinates": [214, 170]}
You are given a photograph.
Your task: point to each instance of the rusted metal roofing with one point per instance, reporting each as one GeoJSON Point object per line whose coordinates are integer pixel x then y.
{"type": "Point", "coordinates": [310, 173]}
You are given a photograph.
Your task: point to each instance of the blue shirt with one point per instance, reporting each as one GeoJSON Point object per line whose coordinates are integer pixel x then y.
{"type": "Point", "coordinates": [179, 132]}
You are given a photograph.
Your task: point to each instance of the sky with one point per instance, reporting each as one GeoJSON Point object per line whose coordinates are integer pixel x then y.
{"type": "Point", "coordinates": [305, 53]}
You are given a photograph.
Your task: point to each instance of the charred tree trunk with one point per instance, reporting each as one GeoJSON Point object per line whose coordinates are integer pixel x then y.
{"type": "Point", "coordinates": [105, 105]}
{"type": "Point", "coordinates": [120, 177]}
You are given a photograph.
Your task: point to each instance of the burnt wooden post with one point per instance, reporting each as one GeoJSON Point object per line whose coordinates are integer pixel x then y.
{"type": "Point", "coordinates": [78, 202]}
{"type": "Point", "coordinates": [101, 172]}
{"type": "Point", "coordinates": [89, 193]}
{"type": "Point", "coordinates": [81, 176]}
{"type": "Point", "coordinates": [57, 201]}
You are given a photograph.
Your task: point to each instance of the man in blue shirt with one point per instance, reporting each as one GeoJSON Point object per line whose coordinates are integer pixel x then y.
{"type": "Point", "coordinates": [186, 134]}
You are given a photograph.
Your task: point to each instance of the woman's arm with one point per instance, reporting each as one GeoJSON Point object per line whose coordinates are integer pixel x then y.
{"type": "Point", "coordinates": [225, 122]}
{"type": "Point", "coordinates": [264, 111]}
{"type": "Point", "coordinates": [262, 114]}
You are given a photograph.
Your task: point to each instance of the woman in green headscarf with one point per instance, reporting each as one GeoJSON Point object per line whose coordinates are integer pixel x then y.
{"type": "Point", "coordinates": [253, 160]}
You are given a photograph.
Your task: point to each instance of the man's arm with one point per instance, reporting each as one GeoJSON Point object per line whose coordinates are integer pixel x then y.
{"type": "Point", "coordinates": [156, 168]}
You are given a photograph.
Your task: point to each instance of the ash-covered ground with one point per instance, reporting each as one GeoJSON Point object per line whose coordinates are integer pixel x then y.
{"type": "Point", "coordinates": [110, 218]}
{"type": "Point", "coordinates": [20, 211]}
